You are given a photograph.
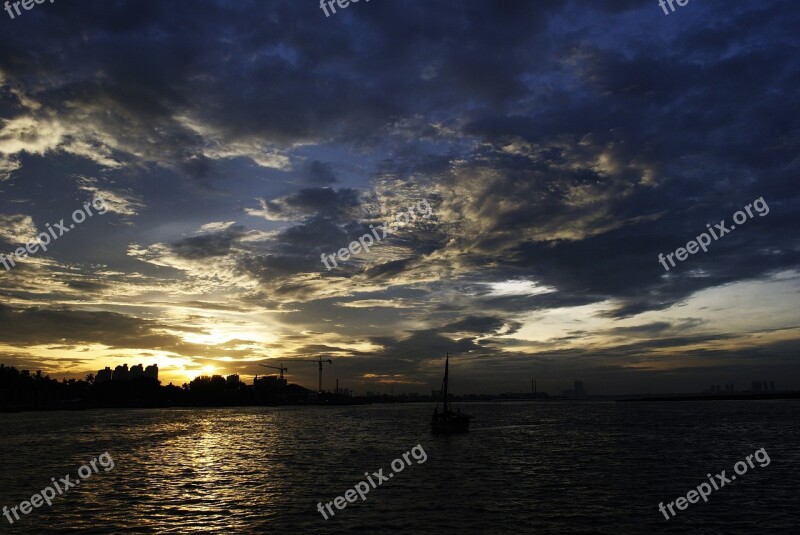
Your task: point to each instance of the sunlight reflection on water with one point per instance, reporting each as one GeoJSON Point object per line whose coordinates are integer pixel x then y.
{"type": "Point", "coordinates": [551, 467]}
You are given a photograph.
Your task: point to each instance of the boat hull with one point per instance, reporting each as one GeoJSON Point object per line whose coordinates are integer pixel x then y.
{"type": "Point", "coordinates": [446, 426]}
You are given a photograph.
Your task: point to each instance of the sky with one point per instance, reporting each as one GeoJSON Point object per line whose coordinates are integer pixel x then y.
{"type": "Point", "coordinates": [560, 147]}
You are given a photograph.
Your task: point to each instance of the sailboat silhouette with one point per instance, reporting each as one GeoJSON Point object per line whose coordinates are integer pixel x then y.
{"type": "Point", "coordinates": [447, 421]}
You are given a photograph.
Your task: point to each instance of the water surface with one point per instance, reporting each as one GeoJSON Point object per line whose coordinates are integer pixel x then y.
{"type": "Point", "coordinates": [553, 467]}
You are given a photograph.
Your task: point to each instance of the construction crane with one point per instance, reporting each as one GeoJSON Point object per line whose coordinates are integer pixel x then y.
{"type": "Point", "coordinates": [319, 361]}
{"type": "Point", "coordinates": [282, 369]}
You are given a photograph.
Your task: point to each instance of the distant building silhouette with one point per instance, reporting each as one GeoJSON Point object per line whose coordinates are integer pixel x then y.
{"type": "Point", "coordinates": [120, 373]}
{"type": "Point", "coordinates": [577, 392]}
{"type": "Point", "coordinates": [763, 386]}
{"type": "Point", "coordinates": [152, 372]}
{"type": "Point", "coordinates": [103, 375]}
{"type": "Point", "coordinates": [269, 381]}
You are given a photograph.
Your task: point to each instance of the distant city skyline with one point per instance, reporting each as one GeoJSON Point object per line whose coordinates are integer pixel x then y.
{"type": "Point", "coordinates": [123, 373]}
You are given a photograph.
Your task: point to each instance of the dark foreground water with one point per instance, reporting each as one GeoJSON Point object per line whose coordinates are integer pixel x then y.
{"type": "Point", "coordinates": [524, 468]}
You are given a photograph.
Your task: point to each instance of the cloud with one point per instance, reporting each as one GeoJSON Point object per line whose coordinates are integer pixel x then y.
{"type": "Point", "coordinates": [8, 164]}
{"type": "Point", "coordinates": [17, 228]}
{"type": "Point", "coordinates": [329, 202]}
{"type": "Point", "coordinates": [35, 326]}
{"type": "Point", "coordinates": [209, 244]}
{"type": "Point", "coordinates": [124, 203]}
{"type": "Point", "coordinates": [560, 157]}
{"type": "Point", "coordinates": [321, 173]}
{"type": "Point", "coordinates": [27, 134]}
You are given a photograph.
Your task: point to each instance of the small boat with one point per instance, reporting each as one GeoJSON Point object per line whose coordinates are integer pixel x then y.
{"type": "Point", "coordinates": [447, 421]}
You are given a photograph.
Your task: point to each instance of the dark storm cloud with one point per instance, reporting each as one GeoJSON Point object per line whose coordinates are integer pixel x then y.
{"type": "Point", "coordinates": [321, 173]}
{"type": "Point", "coordinates": [86, 286]}
{"type": "Point", "coordinates": [623, 262]}
{"type": "Point", "coordinates": [388, 269]}
{"type": "Point", "coordinates": [475, 324]}
{"type": "Point", "coordinates": [422, 345]}
{"type": "Point", "coordinates": [34, 326]}
{"type": "Point", "coordinates": [317, 231]}
{"type": "Point", "coordinates": [654, 328]}
{"type": "Point", "coordinates": [148, 85]}
{"type": "Point", "coordinates": [650, 113]}
{"type": "Point", "coordinates": [326, 202]}
{"type": "Point", "coordinates": [268, 267]}
{"type": "Point", "coordinates": [208, 245]}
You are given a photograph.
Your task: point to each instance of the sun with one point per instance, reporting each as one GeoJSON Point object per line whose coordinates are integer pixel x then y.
{"type": "Point", "coordinates": [207, 370]}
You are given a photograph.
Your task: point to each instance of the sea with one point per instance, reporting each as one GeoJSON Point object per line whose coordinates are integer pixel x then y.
{"type": "Point", "coordinates": [525, 467]}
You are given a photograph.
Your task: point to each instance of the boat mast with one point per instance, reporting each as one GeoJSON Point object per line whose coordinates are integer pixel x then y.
{"type": "Point", "coordinates": [446, 371]}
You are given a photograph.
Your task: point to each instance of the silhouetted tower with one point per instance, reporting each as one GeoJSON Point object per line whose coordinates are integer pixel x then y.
{"type": "Point", "coordinates": [319, 361]}
{"type": "Point", "coordinates": [152, 372]}
{"type": "Point", "coordinates": [120, 373]}
{"type": "Point", "coordinates": [281, 368]}
{"type": "Point", "coordinates": [103, 375]}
